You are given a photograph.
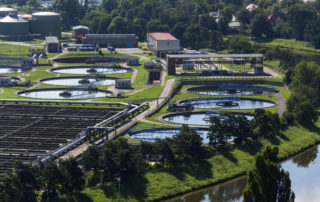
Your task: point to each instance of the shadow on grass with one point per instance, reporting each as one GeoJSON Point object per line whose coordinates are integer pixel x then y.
{"type": "Point", "coordinates": [229, 156]}
{"type": "Point", "coordinates": [274, 140]}
{"type": "Point", "coordinates": [134, 188]}
{"type": "Point", "coordinates": [251, 148]}
{"type": "Point", "coordinates": [282, 136]}
{"type": "Point", "coordinates": [74, 197]}
{"type": "Point", "coordinates": [311, 128]}
{"type": "Point", "coordinates": [200, 170]}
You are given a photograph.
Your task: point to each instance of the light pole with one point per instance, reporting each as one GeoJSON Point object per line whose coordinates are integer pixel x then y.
{"type": "Point", "coordinates": [121, 169]}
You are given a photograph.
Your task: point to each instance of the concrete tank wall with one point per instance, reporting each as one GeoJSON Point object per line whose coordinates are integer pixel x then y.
{"type": "Point", "coordinates": [46, 24]}
{"type": "Point", "coordinates": [21, 28]}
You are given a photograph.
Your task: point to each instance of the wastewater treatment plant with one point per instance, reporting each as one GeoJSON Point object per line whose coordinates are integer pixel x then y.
{"type": "Point", "coordinates": [161, 101]}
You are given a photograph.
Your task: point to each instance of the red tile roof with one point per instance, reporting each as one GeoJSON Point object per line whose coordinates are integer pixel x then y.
{"type": "Point", "coordinates": [162, 36]}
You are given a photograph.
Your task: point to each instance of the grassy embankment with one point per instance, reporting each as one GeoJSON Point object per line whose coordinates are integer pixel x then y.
{"type": "Point", "coordinates": [169, 182]}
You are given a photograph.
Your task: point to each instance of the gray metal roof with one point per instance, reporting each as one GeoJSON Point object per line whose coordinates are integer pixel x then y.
{"type": "Point", "coordinates": [80, 27]}
{"type": "Point", "coordinates": [12, 19]}
{"type": "Point", "coordinates": [46, 14]}
{"type": "Point", "coordinates": [257, 55]}
{"type": "Point", "coordinates": [52, 39]}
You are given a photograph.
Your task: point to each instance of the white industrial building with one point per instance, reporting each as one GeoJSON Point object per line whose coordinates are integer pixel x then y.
{"type": "Point", "coordinates": [163, 43]}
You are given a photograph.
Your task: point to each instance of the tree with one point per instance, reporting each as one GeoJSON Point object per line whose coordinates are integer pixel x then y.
{"type": "Point", "coordinates": [51, 179]}
{"type": "Point", "coordinates": [187, 144]}
{"type": "Point", "coordinates": [299, 15]}
{"type": "Point", "coordinates": [239, 44]}
{"type": "Point", "coordinates": [109, 5]}
{"type": "Point", "coordinates": [216, 40]}
{"type": "Point", "coordinates": [244, 17]}
{"type": "Point", "coordinates": [91, 158]}
{"type": "Point", "coordinates": [216, 133]}
{"type": "Point", "coordinates": [104, 24]}
{"type": "Point", "coordinates": [178, 29]}
{"type": "Point", "coordinates": [267, 182]}
{"type": "Point", "coordinates": [260, 26]}
{"type": "Point", "coordinates": [72, 175]}
{"type": "Point", "coordinates": [305, 113]}
{"type": "Point", "coordinates": [118, 25]}
{"type": "Point", "coordinates": [118, 155]}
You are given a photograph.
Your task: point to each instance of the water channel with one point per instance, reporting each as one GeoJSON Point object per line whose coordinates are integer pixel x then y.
{"type": "Point", "coordinates": [304, 174]}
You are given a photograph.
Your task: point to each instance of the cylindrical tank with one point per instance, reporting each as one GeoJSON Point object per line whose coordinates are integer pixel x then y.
{"type": "Point", "coordinates": [46, 24]}
{"type": "Point", "coordinates": [7, 11]}
{"type": "Point", "coordinates": [13, 25]}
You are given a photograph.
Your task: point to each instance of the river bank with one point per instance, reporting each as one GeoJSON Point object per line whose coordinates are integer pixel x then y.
{"type": "Point", "coordinates": [168, 183]}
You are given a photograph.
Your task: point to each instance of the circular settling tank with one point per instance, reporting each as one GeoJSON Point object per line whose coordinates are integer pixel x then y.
{"type": "Point", "coordinates": [228, 103]}
{"type": "Point", "coordinates": [195, 118]}
{"type": "Point", "coordinates": [89, 70]}
{"type": "Point", "coordinates": [232, 90]}
{"type": "Point", "coordinates": [151, 135]}
{"type": "Point", "coordinates": [75, 81]}
{"type": "Point", "coordinates": [74, 94]}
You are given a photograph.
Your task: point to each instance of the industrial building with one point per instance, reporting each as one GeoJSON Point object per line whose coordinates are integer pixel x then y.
{"type": "Point", "coordinates": [7, 11]}
{"type": "Point", "coordinates": [13, 25]}
{"type": "Point", "coordinates": [79, 32]}
{"type": "Point", "coordinates": [16, 62]}
{"type": "Point", "coordinates": [116, 40]}
{"type": "Point", "coordinates": [52, 44]}
{"type": "Point", "coordinates": [5, 81]}
{"type": "Point", "coordinates": [163, 43]}
{"type": "Point", "coordinates": [26, 27]}
{"type": "Point", "coordinates": [123, 83]}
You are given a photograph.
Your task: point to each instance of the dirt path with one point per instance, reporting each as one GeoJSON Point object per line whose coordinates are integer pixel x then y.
{"type": "Point", "coordinates": [281, 103]}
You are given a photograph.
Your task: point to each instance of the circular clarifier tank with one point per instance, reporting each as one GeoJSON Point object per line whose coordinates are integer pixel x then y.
{"type": "Point", "coordinates": [228, 103]}
{"type": "Point", "coordinates": [78, 80]}
{"type": "Point", "coordinates": [232, 90]}
{"type": "Point", "coordinates": [90, 70]}
{"type": "Point", "coordinates": [62, 94]}
{"type": "Point", "coordinates": [197, 118]}
{"type": "Point", "coordinates": [152, 134]}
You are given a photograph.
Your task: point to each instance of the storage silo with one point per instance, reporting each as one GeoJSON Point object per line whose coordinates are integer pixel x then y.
{"type": "Point", "coordinates": [7, 11]}
{"type": "Point", "coordinates": [13, 25]}
{"type": "Point", "coordinates": [46, 24]}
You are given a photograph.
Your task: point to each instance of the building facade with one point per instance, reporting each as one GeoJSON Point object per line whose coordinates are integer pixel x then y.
{"type": "Point", "coordinates": [163, 43]}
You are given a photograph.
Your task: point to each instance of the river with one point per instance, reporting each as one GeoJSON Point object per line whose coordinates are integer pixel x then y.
{"type": "Point", "coordinates": [304, 174]}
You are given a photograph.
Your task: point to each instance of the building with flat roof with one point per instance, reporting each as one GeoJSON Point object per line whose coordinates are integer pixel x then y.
{"type": "Point", "coordinates": [115, 40]}
{"type": "Point", "coordinates": [79, 32]}
{"type": "Point", "coordinates": [52, 44]}
{"type": "Point", "coordinates": [161, 43]}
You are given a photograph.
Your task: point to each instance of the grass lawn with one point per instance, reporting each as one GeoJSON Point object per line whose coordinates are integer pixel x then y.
{"type": "Point", "coordinates": [8, 50]}
{"type": "Point", "coordinates": [292, 43]}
